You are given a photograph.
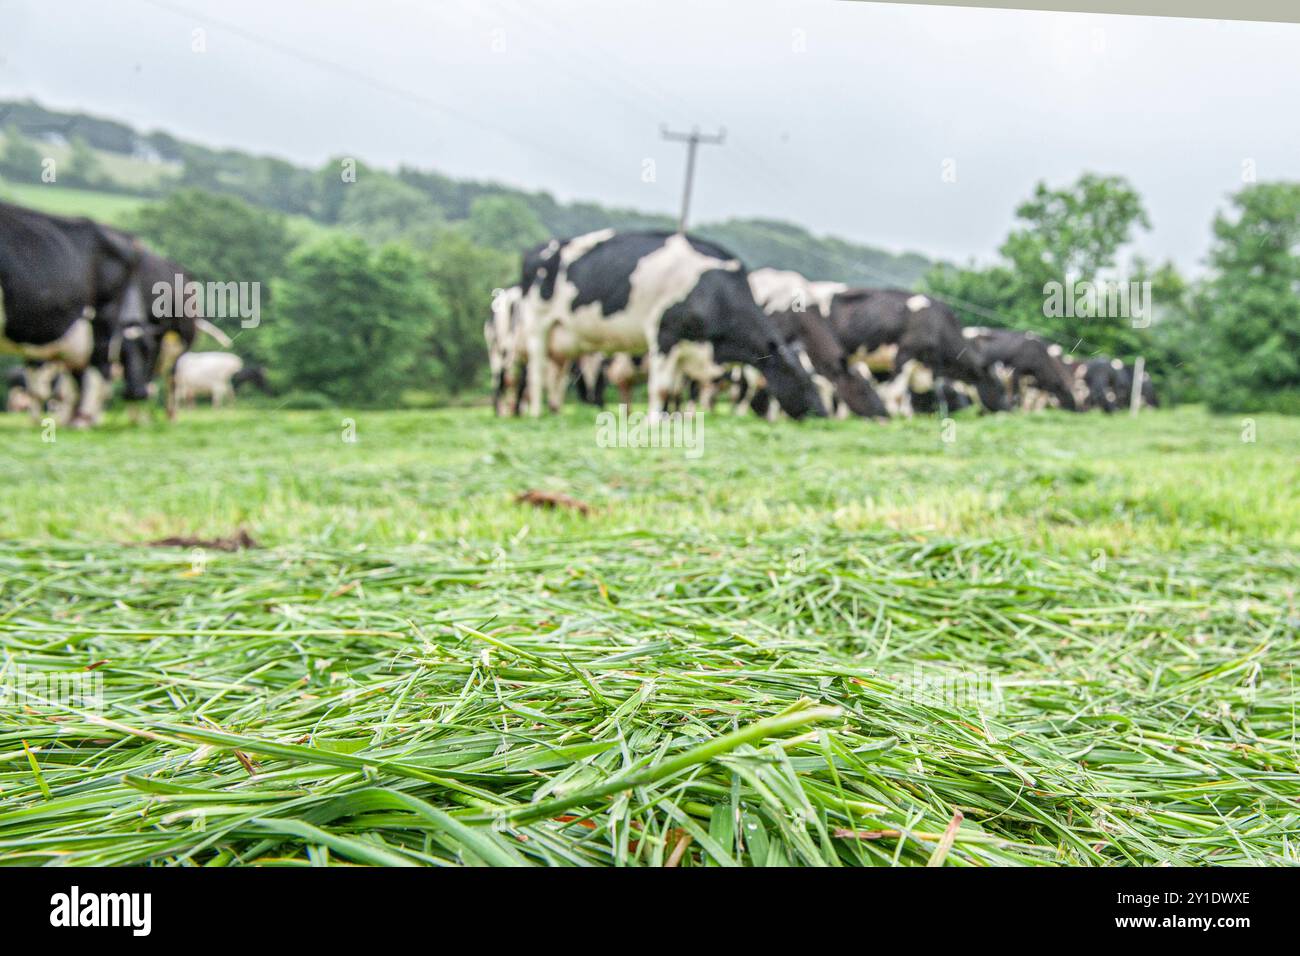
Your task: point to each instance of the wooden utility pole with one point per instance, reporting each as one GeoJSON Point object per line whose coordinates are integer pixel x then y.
{"type": "Point", "coordinates": [692, 141]}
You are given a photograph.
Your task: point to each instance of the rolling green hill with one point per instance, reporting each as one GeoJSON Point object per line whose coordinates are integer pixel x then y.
{"type": "Point", "coordinates": [122, 160]}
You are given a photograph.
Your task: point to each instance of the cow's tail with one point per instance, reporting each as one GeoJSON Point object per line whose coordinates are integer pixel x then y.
{"type": "Point", "coordinates": [203, 325]}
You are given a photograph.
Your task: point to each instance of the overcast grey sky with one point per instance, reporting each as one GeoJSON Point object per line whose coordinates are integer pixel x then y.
{"type": "Point", "coordinates": [839, 115]}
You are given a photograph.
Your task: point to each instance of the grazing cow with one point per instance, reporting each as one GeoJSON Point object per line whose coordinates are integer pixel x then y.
{"type": "Point", "coordinates": [683, 301]}
{"type": "Point", "coordinates": [909, 340]}
{"type": "Point", "coordinates": [1124, 387]}
{"type": "Point", "coordinates": [798, 308]}
{"type": "Point", "coordinates": [1101, 378]}
{"type": "Point", "coordinates": [506, 353]}
{"type": "Point", "coordinates": [168, 329]}
{"type": "Point", "coordinates": [1110, 385]}
{"type": "Point", "coordinates": [174, 321]}
{"type": "Point", "coordinates": [67, 296]}
{"type": "Point", "coordinates": [1031, 370]}
{"type": "Point", "coordinates": [217, 374]}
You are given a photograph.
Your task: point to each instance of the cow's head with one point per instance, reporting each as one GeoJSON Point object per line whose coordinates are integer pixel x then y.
{"type": "Point", "coordinates": [254, 375]}
{"type": "Point", "coordinates": [135, 343]}
{"type": "Point", "coordinates": [990, 381]}
{"type": "Point", "coordinates": [831, 362]}
{"type": "Point", "coordinates": [723, 308]}
{"type": "Point", "coordinates": [853, 389]}
{"type": "Point", "coordinates": [1059, 385]}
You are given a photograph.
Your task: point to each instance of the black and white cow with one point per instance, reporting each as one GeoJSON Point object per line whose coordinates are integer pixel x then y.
{"type": "Point", "coordinates": [67, 296]}
{"type": "Point", "coordinates": [909, 340]}
{"type": "Point", "coordinates": [507, 354]}
{"type": "Point", "coordinates": [798, 307]}
{"type": "Point", "coordinates": [1030, 369]}
{"type": "Point", "coordinates": [682, 301]}
{"type": "Point", "coordinates": [1124, 380]}
{"type": "Point", "coordinates": [215, 374]}
{"type": "Point", "coordinates": [1100, 376]}
{"type": "Point", "coordinates": [1110, 385]}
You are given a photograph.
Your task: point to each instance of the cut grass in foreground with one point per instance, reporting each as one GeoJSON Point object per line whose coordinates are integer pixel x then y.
{"type": "Point", "coordinates": [814, 645]}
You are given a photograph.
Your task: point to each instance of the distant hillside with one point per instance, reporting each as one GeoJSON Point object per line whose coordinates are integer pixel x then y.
{"type": "Point", "coordinates": [107, 156]}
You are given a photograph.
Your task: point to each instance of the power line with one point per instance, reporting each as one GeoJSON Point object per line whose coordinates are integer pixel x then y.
{"type": "Point", "coordinates": [693, 139]}
{"type": "Point", "coordinates": [331, 66]}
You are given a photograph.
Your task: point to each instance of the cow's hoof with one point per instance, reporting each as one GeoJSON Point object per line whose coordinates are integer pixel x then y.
{"type": "Point", "coordinates": [81, 421]}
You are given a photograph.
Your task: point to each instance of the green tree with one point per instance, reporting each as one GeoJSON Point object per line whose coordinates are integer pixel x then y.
{"type": "Point", "coordinates": [466, 275]}
{"type": "Point", "coordinates": [504, 223]}
{"type": "Point", "coordinates": [83, 166]}
{"type": "Point", "coordinates": [334, 181]}
{"type": "Point", "coordinates": [220, 239]}
{"type": "Point", "coordinates": [1075, 233]}
{"type": "Point", "coordinates": [22, 160]}
{"type": "Point", "coordinates": [351, 322]}
{"type": "Point", "coordinates": [1062, 236]}
{"type": "Point", "coordinates": [1251, 342]}
{"type": "Point", "coordinates": [217, 238]}
{"type": "Point", "coordinates": [382, 208]}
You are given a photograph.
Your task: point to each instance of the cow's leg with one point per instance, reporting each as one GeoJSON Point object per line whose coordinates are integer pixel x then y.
{"type": "Point", "coordinates": [92, 389]}
{"type": "Point", "coordinates": [557, 380]}
{"type": "Point", "coordinates": [518, 388]}
{"type": "Point", "coordinates": [663, 372]}
{"type": "Point", "coordinates": [897, 393]}
{"type": "Point", "coordinates": [498, 391]}
{"type": "Point", "coordinates": [709, 393]}
{"type": "Point", "coordinates": [538, 365]}
{"type": "Point", "coordinates": [745, 384]}
{"type": "Point", "coordinates": [40, 388]}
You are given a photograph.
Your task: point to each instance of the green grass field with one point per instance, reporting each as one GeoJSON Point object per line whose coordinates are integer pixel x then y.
{"type": "Point", "coordinates": [1053, 639]}
{"type": "Point", "coordinates": [112, 208]}
{"type": "Point", "coordinates": [118, 209]}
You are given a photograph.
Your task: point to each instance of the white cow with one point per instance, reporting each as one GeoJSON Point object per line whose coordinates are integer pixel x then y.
{"type": "Point", "coordinates": [207, 373]}
{"type": "Point", "coordinates": [783, 290]}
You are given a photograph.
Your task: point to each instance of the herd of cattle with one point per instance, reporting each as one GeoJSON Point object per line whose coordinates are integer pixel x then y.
{"type": "Point", "coordinates": [77, 304]}
{"type": "Point", "coordinates": [684, 315]}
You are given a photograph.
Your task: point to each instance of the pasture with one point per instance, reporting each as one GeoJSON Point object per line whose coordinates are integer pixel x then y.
{"type": "Point", "coordinates": [1050, 639]}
